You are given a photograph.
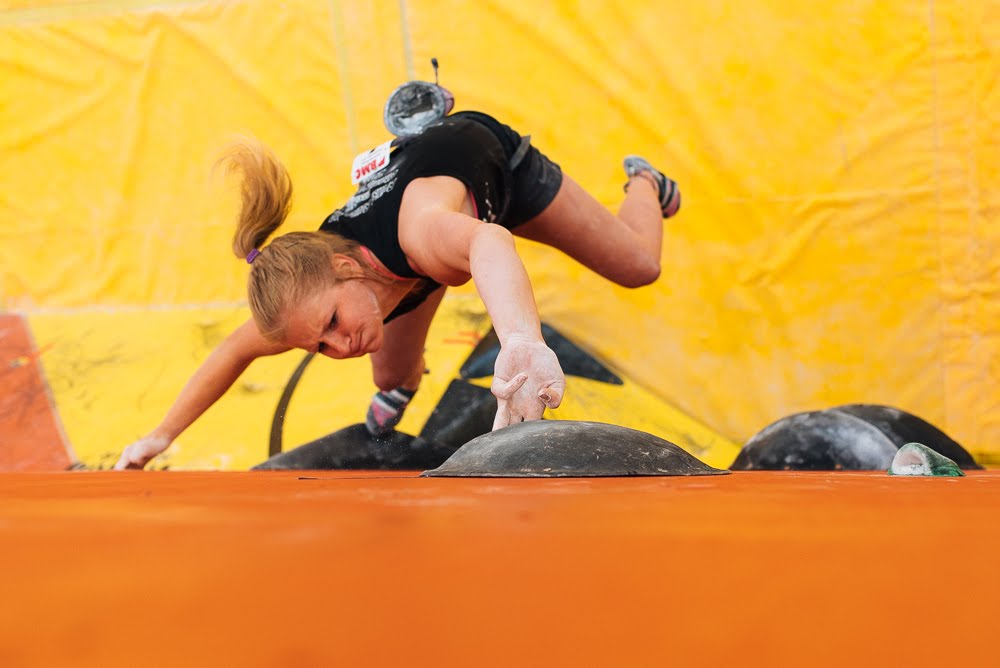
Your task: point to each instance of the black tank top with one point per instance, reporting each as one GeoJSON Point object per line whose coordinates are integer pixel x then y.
{"type": "Point", "coordinates": [470, 146]}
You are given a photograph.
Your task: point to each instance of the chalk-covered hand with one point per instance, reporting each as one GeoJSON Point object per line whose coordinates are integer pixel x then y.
{"type": "Point", "coordinates": [139, 453]}
{"type": "Point", "coordinates": [527, 378]}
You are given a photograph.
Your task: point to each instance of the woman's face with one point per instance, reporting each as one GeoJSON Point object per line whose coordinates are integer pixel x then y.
{"type": "Point", "coordinates": [339, 321]}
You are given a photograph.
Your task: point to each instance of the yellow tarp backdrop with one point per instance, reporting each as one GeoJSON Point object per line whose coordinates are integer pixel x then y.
{"type": "Point", "coordinates": [839, 162]}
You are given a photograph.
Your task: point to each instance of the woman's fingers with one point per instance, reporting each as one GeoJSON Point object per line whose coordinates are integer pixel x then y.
{"type": "Point", "coordinates": [126, 461]}
{"type": "Point", "coordinates": [123, 462]}
{"type": "Point", "coordinates": [505, 389]}
{"type": "Point", "coordinates": [551, 396]}
{"type": "Point", "coordinates": [503, 415]}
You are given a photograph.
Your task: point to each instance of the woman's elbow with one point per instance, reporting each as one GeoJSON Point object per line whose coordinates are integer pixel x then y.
{"type": "Point", "coordinates": [491, 233]}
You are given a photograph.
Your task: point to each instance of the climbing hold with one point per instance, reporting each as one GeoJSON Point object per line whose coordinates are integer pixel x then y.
{"type": "Point", "coordinates": [355, 448]}
{"type": "Point", "coordinates": [816, 441]}
{"type": "Point", "coordinates": [902, 428]}
{"type": "Point", "coordinates": [569, 448]}
{"type": "Point", "coordinates": [851, 437]}
{"type": "Point", "coordinates": [918, 459]}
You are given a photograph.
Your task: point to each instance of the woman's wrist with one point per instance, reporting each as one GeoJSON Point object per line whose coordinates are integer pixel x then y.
{"type": "Point", "coordinates": [160, 437]}
{"type": "Point", "coordinates": [526, 335]}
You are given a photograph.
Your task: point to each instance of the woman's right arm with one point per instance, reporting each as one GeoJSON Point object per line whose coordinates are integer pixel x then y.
{"type": "Point", "coordinates": [209, 382]}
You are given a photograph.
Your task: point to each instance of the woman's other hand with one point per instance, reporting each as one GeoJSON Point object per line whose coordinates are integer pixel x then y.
{"type": "Point", "coordinates": [527, 378]}
{"type": "Point", "coordinates": [138, 454]}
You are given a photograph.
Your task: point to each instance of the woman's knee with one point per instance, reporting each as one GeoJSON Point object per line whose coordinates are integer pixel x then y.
{"type": "Point", "coordinates": [387, 377]}
{"type": "Point", "coordinates": [639, 273]}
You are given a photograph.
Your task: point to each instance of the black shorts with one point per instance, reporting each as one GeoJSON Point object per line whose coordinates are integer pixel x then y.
{"type": "Point", "coordinates": [536, 182]}
{"type": "Point", "coordinates": [536, 178]}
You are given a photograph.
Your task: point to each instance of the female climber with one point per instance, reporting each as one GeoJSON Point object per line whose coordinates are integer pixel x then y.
{"type": "Point", "coordinates": [434, 209]}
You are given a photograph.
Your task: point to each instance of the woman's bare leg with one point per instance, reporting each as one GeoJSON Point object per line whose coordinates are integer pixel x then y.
{"type": "Point", "coordinates": [623, 248]}
{"type": "Point", "coordinates": [400, 362]}
{"type": "Point", "coordinates": [398, 367]}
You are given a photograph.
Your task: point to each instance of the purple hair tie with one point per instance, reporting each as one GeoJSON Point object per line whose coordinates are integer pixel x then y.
{"type": "Point", "coordinates": [252, 255]}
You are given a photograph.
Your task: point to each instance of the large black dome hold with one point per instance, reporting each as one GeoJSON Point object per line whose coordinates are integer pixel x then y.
{"type": "Point", "coordinates": [353, 448]}
{"type": "Point", "coordinates": [569, 448]}
{"type": "Point", "coordinates": [851, 437]}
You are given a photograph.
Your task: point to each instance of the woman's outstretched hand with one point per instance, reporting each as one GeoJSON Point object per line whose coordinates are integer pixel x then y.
{"type": "Point", "coordinates": [139, 453]}
{"type": "Point", "coordinates": [527, 378]}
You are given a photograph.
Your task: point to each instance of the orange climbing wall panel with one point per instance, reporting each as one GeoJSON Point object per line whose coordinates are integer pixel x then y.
{"type": "Point", "coordinates": [30, 435]}
{"type": "Point", "coordinates": [362, 569]}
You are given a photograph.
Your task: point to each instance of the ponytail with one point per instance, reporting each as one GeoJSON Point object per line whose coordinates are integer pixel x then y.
{"type": "Point", "coordinates": [293, 264]}
{"type": "Point", "coordinates": [266, 193]}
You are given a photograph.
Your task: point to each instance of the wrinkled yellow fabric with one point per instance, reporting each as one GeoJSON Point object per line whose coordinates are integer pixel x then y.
{"type": "Point", "coordinates": [839, 163]}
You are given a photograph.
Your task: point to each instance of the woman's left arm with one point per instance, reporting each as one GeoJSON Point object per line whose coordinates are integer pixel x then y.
{"type": "Point", "coordinates": [449, 246]}
{"type": "Point", "coordinates": [527, 376]}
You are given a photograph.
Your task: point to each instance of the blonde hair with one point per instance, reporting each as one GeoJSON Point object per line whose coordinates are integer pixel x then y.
{"type": "Point", "coordinates": [293, 264]}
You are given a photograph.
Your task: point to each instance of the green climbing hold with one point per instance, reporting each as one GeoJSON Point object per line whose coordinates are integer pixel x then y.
{"type": "Point", "coordinates": [918, 459]}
